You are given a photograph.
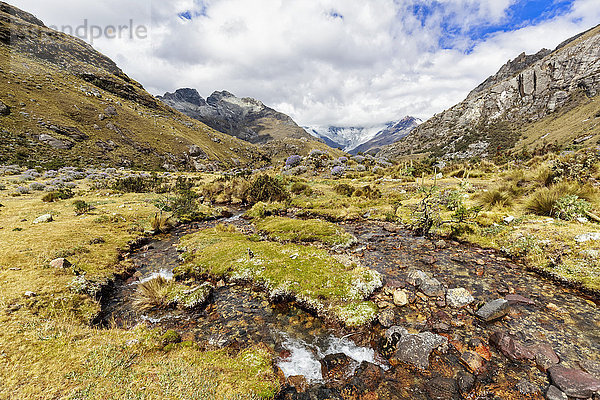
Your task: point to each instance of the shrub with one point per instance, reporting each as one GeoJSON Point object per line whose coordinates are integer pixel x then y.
{"type": "Point", "coordinates": [36, 186]}
{"type": "Point", "coordinates": [22, 190]}
{"type": "Point", "coordinates": [544, 201]}
{"type": "Point", "coordinates": [369, 192]}
{"type": "Point", "coordinates": [81, 207]}
{"type": "Point", "coordinates": [293, 161]}
{"type": "Point", "coordinates": [343, 160]}
{"type": "Point", "coordinates": [343, 189]}
{"type": "Point", "coordinates": [571, 207]}
{"type": "Point", "coordinates": [226, 190]}
{"type": "Point", "coordinates": [267, 189]}
{"type": "Point", "coordinates": [62, 194]}
{"type": "Point", "coordinates": [139, 184]}
{"type": "Point", "coordinates": [338, 171]}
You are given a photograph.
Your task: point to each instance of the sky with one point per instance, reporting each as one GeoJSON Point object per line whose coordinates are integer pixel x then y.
{"type": "Point", "coordinates": [323, 62]}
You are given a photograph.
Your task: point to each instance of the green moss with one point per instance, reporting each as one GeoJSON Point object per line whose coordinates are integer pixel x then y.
{"type": "Point", "coordinates": [307, 274]}
{"type": "Point", "coordinates": [312, 230]}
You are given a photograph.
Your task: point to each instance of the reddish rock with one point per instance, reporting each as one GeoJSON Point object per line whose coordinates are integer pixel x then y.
{"type": "Point", "coordinates": [473, 361]}
{"type": "Point", "coordinates": [60, 263]}
{"type": "Point", "coordinates": [298, 382]}
{"type": "Point", "coordinates": [510, 347]}
{"type": "Point", "coordinates": [367, 377]}
{"type": "Point", "coordinates": [573, 382]}
{"type": "Point", "coordinates": [442, 389]}
{"type": "Point", "coordinates": [518, 299]}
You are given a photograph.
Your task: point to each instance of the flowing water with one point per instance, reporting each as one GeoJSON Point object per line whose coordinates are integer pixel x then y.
{"type": "Point", "coordinates": [238, 316]}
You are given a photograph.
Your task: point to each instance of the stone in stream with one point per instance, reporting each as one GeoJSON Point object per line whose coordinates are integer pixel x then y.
{"type": "Point", "coordinates": [415, 349]}
{"type": "Point", "coordinates": [493, 310]}
{"type": "Point", "coordinates": [459, 297]}
{"type": "Point", "coordinates": [416, 277]}
{"type": "Point", "coordinates": [473, 361]}
{"type": "Point", "coordinates": [387, 318]}
{"type": "Point", "coordinates": [298, 382]}
{"type": "Point", "coordinates": [336, 367]}
{"type": "Point", "coordinates": [367, 377]}
{"type": "Point", "coordinates": [527, 388]}
{"type": "Point", "coordinates": [518, 299]}
{"type": "Point", "coordinates": [432, 288]}
{"type": "Point", "coordinates": [573, 382]}
{"type": "Point", "coordinates": [544, 355]}
{"type": "Point", "coordinates": [400, 297]}
{"type": "Point", "coordinates": [591, 367]}
{"type": "Point", "coordinates": [554, 393]}
{"type": "Point", "coordinates": [465, 381]}
{"type": "Point", "coordinates": [511, 348]}
{"type": "Point", "coordinates": [441, 388]}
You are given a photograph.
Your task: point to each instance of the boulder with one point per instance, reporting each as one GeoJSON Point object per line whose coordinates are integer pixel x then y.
{"type": "Point", "coordinates": [416, 277]}
{"type": "Point", "coordinates": [416, 349]}
{"type": "Point", "coordinates": [573, 382]}
{"type": "Point", "coordinates": [458, 297]}
{"type": "Point", "coordinates": [493, 310]}
{"type": "Point", "coordinates": [61, 263]}
{"type": "Point", "coordinates": [4, 109]}
{"type": "Point", "coordinates": [554, 393]}
{"type": "Point", "coordinates": [111, 111]}
{"type": "Point", "coordinates": [55, 143]}
{"type": "Point", "coordinates": [586, 237]}
{"type": "Point", "coordinates": [511, 348]}
{"type": "Point", "coordinates": [42, 219]}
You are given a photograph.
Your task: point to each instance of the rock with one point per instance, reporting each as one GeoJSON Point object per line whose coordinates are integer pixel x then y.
{"type": "Point", "coordinates": [465, 381]}
{"type": "Point", "coordinates": [493, 310]}
{"type": "Point", "coordinates": [400, 297]}
{"type": "Point", "coordinates": [432, 288]}
{"type": "Point", "coordinates": [395, 331]}
{"type": "Point", "coordinates": [554, 393]}
{"type": "Point", "coordinates": [591, 367]}
{"type": "Point", "coordinates": [367, 377]}
{"type": "Point", "coordinates": [473, 361]}
{"type": "Point", "coordinates": [441, 244]}
{"type": "Point", "coordinates": [336, 367]}
{"type": "Point", "coordinates": [544, 356]}
{"type": "Point", "coordinates": [415, 349]}
{"type": "Point", "coordinates": [582, 220]}
{"type": "Point", "coordinates": [574, 382]}
{"type": "Point", "coordinates": [387, 318]}
{"type": "Point", "coordinates": [416, 277]}
{"type": "Point", "coordinates": [4, 109]}
{"type": "Point", "coordinates": [518, 299]}
{"type": "Point", "coordinates": [29, 294]}
{"type": "Point", "coordinates": [459, 297]}
{"type": "Point", "coordinates": [111, 111]}
{"type": "Point", "coordinates": [509, 220]}
{"type": "Point", "coordinates": [511, 348]}
{"type": "Point", "coordinates": [42, 219]}
{"type": "Point", "coordinates": [442, 389]}
{"type": "Point", "coordinates": [196, 151]}
{"type": "Point", "coordinates": [298, 382]}
{"type": "Point", "coordinates": [61, 263]}
{"type": "Point", "coordinates": [527, 388]}
{"type": "Point", "coordinates": [586, 237]}
{"type": "Point", "coordinates": [56, 143]}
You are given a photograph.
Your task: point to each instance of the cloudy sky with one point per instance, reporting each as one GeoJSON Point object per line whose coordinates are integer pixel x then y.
{"type": "Point", "coordinates": [323, 62]}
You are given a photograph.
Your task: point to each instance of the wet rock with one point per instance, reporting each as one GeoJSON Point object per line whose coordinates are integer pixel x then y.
{"type": "Point", "coordinates": [574, 382]}
{"type": "Point", "coordinates": [493, 310]}
{"type": "Point", "coordinates": [440, 322]}
{"type": "Point", "coordinates": [459, 297]}
{"type": "Point", "coordinates": [387, 318]}
{"type": "Point", "coordinates": [390, 390]}
{"type": "Point", "coordinates": [367, 377]}
{"type": "Point", "coordinates": [298, 382]}
{"type": "Point", "coordinates": [61, 263]}
{"type": "Point", "coordinates": [42, 219]}
{"type": "Point", "coordinates": [591, 367]}
{"type": "Point", "coordinates": [473, 361]}
{"type": "Point", "coordinates": [527, 388]}
{"type": "Point", "coordinates": [416, 277]}
{"type": "Point", "coordinates": [544, 355]}
{"type": "Point", "coordinates": [511, 348]}
{"type": "Point", "coordinates": [400, 297]}
{"type": "Point", "coordinates": [518, 299]}
{"type": "Point", "coordinates": [554, 393]}
{"type": "Point", "coordinates": [442, 389]}
{"type": "Point", "coordinates": [416, 349]}
{"type": "Point", "coordinates": [397, 331]}
{"type": "Point", "coordinates": [336, 367]}
{"type": "Point", "coordinates": [465, 382]}
{"type": "Point", "coordinates": [432, 288]}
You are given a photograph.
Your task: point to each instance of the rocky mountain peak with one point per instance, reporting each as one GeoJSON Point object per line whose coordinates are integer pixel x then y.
{"type": "Point", "coordinates": [187, 95]}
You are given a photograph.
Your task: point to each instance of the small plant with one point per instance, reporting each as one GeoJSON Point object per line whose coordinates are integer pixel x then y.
{"type": "Point", "coordinates": [162, 223]}
{"type": "Point", "coordinates": [62, 194]}
{"type": "Point", "coordinates": [343, 189]}
{"type": "Point", "coordinates": [293, 161]}
{"type": "Point", "coordinates": [301, 188]}
{"type": "Point", "coordinates": [81, 207]}
{"type": "Point", "coordinates": [427, 214]}
{"type": "Point", "coordinates": [494, 197]}
{"type": "Point", "coordinates": [154, 294]}
{"type": "Point", "coordinates": [139, 184]}
{"type": "Point", "coordinates": [338, 171]}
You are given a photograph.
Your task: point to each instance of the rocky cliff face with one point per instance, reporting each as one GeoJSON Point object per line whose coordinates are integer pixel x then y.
{"type": "Point", "coordinates": [524, 91]}
{"type": "Point", "coordinates": [247, 119]}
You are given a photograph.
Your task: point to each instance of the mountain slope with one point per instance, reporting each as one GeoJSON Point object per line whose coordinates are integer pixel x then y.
{"type": "Point", "coordinates": [363, 139]}
{"type": "Point", "coordinates": [502, 112]}
{"type": "Point", "coordinates": [67, 104]}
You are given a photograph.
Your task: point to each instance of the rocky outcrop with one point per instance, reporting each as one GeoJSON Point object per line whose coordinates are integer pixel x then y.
{"type": "Point", "coordinates": [247, 119]}
{"type": "Point", "coordinates": [525, 90]}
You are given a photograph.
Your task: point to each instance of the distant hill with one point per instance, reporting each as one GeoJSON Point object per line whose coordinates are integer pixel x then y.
{"type": "Point", "coordinates": [364, 139]}
{"type": "Point", "coordinates": [534, 100]}
{"type": "Point", "coordinates": [64, 103]}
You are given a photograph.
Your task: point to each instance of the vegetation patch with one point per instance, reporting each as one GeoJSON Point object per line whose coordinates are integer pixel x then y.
{"type": "Point", "coordinates": [312, 230]}
{"type": "Point", "coordinates": [306, 274]}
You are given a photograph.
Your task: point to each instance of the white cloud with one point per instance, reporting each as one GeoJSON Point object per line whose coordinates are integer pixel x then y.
{"type": "Point", "coordinates": [342, 62]}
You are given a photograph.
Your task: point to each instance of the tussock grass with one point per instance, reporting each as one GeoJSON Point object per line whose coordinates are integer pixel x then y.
{"type": "Point", "coordinates": [154, 294]}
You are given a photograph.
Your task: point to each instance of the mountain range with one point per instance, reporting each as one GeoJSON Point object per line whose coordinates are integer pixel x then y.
{"type": "Point", "coordinates": [534, 101]}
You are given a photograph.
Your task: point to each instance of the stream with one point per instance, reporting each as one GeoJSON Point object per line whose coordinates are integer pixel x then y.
{"type": "Point", "coordinates": [238, 316]}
